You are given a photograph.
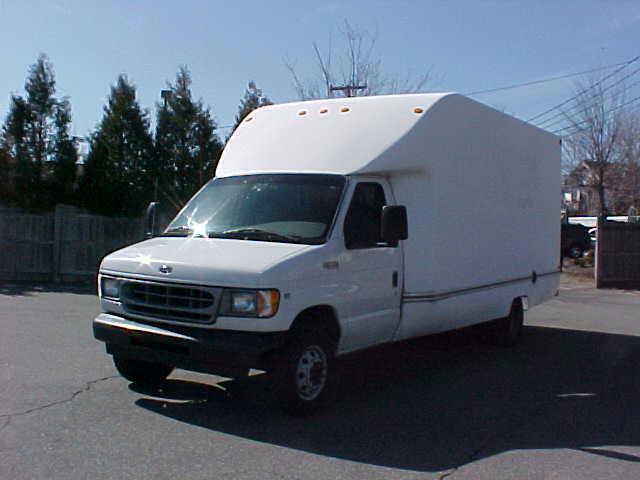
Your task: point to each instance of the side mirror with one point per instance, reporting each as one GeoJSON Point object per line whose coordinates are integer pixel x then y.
{"type": "Point", "coordinates": [394, 224]}
{"type": "Point", "coordinates": [150, 222]}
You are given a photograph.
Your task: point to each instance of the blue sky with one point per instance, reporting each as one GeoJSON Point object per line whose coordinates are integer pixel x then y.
{"type": "Point", "coordinates": [469, 46]}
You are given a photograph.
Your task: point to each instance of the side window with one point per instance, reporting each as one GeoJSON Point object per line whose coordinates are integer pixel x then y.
{"type": "Point", "coordinates": [362, 224]}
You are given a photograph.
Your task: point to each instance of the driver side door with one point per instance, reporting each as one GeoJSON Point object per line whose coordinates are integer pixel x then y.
{"type": "Point", "coordinates": [372, 269]}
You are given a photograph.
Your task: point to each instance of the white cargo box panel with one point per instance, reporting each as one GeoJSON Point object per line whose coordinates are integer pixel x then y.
{"type": "Point", "coordinates": [482, 188]}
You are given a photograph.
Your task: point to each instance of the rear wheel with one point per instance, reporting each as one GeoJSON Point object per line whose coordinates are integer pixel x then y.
{"type": "Point", "coordinates": [304, 372]}
{"type": "Point", "coordinates": [506, 331]}
{"type": "Point", "coordinates": [141, 372]}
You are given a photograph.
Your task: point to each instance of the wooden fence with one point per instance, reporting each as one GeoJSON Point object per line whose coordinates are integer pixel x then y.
{"type": "Point", "coordinates": [65, 246]}
{"type": "Point", "coordinates": [618, 255]}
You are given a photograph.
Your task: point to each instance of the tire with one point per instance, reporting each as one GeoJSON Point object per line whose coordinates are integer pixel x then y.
{"type": "Point", "coordinates": [304, 372]}
{"type": "Point", "coordinates": [141, 372]}
{"type": "Point", "coordinates": [506, 332]}
{"type": "Point", "coordinates": [576, 251]}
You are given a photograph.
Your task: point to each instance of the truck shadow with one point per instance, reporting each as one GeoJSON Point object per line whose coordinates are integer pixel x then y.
{"type": "Point", "coordinates": [440, 402]}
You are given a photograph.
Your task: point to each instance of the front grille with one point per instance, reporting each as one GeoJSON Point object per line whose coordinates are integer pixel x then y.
{"type": "Point", "coordinates": [169, 301]}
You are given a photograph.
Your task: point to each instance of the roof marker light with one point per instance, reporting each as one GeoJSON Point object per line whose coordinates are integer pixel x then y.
{"type": "Point", "coordinates": [344, 109]}
{"type": "Point", "coordinates": [302, 112]}
{"type": "Point", "coordinates": [324, 110]}
{"type": "Point", "coordinates": [418, 110]}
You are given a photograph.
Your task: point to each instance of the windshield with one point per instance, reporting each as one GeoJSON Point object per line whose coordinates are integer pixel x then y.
{"type": "Point", "coordinates": [291, 208]}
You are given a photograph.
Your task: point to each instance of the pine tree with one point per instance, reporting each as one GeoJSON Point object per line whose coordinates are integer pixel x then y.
{"type": "Point", "coordinates": [15, 143]}
{"type": "Point", "coordinates": [29, 139]}
{"type": "Point", "coordinates": [40, 87]}
{"type": "Point", "coordinates": [6, 182]}
{"type": "Point", "coordinates": [187, 145]}
{"type": "Point", "coordinates": [118, 171]}
{"type": "Point", "coordinates": [65, 156]}
{"type": "Point", "coordinates": [253, 98]}
{"type": "Point", "coordinates": [96, 190]}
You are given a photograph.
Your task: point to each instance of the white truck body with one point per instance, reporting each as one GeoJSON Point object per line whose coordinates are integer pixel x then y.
{"type": "Point", "coordinates": [481, 191]}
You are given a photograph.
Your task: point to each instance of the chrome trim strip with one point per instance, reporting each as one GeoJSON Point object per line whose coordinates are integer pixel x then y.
{"type": "Point", "coordinates": [153, 279]}
{"type": "Point", "coordinates": [113, 307]}
{"type": "Point", "coordinates": [118, 322]}
{"type": "Point", "coordinates": [437, 296]}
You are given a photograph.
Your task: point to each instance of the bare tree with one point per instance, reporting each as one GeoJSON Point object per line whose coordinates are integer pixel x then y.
{"type": "Point", "coordinates": [595, 126]}
{"type": "Point", "coordinates": [354, 66]}
{"type": "Point", "coordinates": [629, 181]}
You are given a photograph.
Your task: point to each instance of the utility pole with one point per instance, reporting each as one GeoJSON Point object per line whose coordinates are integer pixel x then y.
{"type": "Point", "coordinates": [347, 89]}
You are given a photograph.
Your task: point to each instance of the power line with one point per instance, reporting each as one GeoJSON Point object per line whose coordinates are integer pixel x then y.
{"type": "Point", "coordinates": [545, 123]}
{"type": "Point", "coordinates": [535, 82]}
{"type": "Point", "coordinates": [583, 109]}
{"type": "Point", "coordinates": [588, 120]}
{"type": "Point", "coordinates": [625, 64]}
{"type": "Point", "coordinates": [543, 80]}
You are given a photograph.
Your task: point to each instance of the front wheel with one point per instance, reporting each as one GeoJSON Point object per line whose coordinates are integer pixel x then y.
{"type": "Point", "coordinates": [141, 372]}
{"type": "Point", "coordinates": [304, 372]}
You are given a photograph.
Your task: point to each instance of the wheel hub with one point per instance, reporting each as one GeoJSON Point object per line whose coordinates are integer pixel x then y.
{"type": "Point", "coordinates": [311, 372]}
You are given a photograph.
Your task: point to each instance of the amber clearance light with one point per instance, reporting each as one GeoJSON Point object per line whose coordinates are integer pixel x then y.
{"type": "Point", "coordinates": [267, 302]}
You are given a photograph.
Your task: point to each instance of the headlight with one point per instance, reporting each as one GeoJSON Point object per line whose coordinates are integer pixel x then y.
{"type": "Point", "coordinates": [250, 303]}
{"type": "Point", "coordinates": [110, 288]}
{"type": "Point", "coordinates": [243, 302]}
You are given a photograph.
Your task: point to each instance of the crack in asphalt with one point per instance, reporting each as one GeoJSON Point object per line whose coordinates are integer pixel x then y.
{"type": "Point", "coordinates": [5, 423]}
{"type": "Point", "coordinates": [72, 397]}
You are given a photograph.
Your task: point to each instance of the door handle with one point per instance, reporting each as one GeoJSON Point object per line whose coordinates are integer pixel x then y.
{"type": "Point", "coordinates": [394, 279]}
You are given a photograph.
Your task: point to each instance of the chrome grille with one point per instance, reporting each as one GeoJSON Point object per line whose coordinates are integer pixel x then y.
{"type": "Point", "coordinates": [166, 301]}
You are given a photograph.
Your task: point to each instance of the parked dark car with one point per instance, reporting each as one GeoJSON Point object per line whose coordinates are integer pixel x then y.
{"type": "Point", "coordinates": [593, 234]}
{"type": "Point", "coordinates": [574, 240]}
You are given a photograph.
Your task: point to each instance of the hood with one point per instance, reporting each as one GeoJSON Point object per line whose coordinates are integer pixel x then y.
{"type": "Point", "coordinates": [208, 261]}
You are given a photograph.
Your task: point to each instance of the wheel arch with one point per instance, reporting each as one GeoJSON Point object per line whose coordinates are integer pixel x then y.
{"type": "Point", "coordinates": [523, 300]}
{"type": "Point", "coordinates": [323, 316]}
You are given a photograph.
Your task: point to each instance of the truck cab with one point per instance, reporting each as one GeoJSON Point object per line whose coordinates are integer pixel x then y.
{"type": "Point", "coordinates": [250, 262]}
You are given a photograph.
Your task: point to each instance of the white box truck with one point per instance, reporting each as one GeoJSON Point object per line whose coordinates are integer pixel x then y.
{"type": "Point", "coordinates": [337, 225]}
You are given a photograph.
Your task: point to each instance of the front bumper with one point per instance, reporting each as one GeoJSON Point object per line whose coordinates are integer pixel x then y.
{"type": "Point", "coordinates": [226, 353]}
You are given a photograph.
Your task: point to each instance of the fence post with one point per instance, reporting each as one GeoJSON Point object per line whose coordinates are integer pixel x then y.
{"type": "Point", "coordinates": [57, 242]}
{"type": "Point", "coordinates": [599, 268]}
{"type": "Point", "coordinates": [59, 222]}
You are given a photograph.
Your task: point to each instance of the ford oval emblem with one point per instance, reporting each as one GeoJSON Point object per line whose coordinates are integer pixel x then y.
{"type": "Point", "coordinates": [165, 269]}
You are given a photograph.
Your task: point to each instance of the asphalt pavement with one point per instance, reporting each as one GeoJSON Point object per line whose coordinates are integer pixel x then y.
{"type": "Point", "coordinates": [562, 405]}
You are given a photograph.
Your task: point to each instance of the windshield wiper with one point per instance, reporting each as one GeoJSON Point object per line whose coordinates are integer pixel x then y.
{"type": "Point", "coordinates": [181, 231]}
{"type": "Point", "coordinates": [255, 234]}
